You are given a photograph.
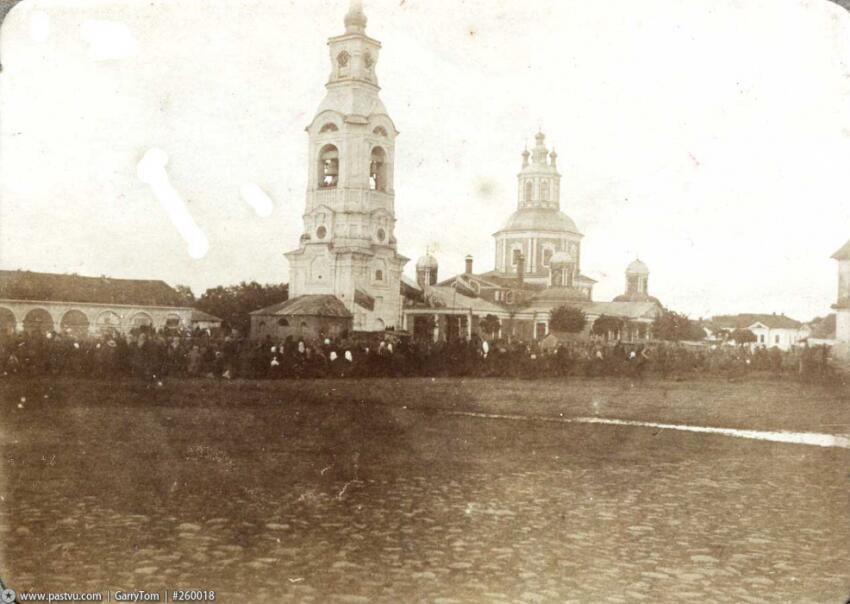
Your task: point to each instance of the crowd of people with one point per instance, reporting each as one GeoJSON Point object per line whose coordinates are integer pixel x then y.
{"type": "Point", "coordinates": [157, 355]}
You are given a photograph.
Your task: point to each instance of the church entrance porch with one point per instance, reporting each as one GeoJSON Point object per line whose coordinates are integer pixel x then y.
{"type": "Point", "coordinates": [457, 328]}
{"type": "Point", "coordinates": [441, 324]}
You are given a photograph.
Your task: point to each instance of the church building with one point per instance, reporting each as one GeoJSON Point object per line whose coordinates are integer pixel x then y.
{"type": "Point", "coordinates": [538, 232]}
{"type": "Point", "coordinates": [347, 257]}
{"type": "Point", "coordinates": [537, 269]}
{"type": "Point", "coordinates": [346, 273]}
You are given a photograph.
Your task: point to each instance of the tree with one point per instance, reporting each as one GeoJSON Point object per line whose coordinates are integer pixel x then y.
{"type": "Point", "coordinates": [743, 336]}
{"type": "Point", "coordinates": [187, 297]}
{"type": "Point", "coordinates": [234, 303]}
{"type": "Point", "coordinates": [567, 319]}
{"type": "Point", "coordinates": [605, 324]}
{"type": "Point", "coordinates": [673, 326]}
{"type": "Point", "coordinates": [490, 325]}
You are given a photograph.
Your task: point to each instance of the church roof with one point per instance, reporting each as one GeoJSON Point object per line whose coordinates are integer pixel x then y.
{"type": "Point", "coordinates": [351, 101]}
{"type": "Point", "coordinates": [843, 253]}
{"type": "Point", "coordinates": [313, 305]}
{"type": "Point", "coordinates": [54, 287]}
{"type": "Point", "coordinates": [623, 310]}
{"type": "Point", "coordinates": [439, 296]}
{"type": "Point", "coordinates": [560, 295]}
{"type": "Point", "coordinates": [540, 219]}
{"type": "Point", "coordinates": [637, 298]}
{"type": "Point", "coordinates": [501, 280]}
{"type": "Point", "coordinates": [408, 283]}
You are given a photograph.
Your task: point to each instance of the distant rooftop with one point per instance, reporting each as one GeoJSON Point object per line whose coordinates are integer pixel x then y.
{"type": "Point", "coordinates": [315, 305]}
{"type": "Point", "coordinates": [54, 287]}
{"type": "Point", "coordinates": [199, 315]}
{"type": "Point", "coordinates": [744, 320]}
{"type": "Point", "coordinates": [843, 253]}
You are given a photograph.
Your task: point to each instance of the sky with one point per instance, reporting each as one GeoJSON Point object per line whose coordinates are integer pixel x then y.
{"type": "Point", "coordinates": [711, 138]}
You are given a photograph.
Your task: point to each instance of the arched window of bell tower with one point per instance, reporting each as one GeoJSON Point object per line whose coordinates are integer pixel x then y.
{"type": "Point", "coordinates": [378, 170]}
{"type": "Point", "coordinates": [529, 188]}
{"type": "Point", "coordinates": [328, 167]}
{"type": "Point", "coordinates": [329, 127]}
{"type": "Point", "coordinates": [544, 190]}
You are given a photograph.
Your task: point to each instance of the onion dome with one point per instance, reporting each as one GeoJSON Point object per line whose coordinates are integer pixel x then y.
{"type": "Point", "coordinates": [355, 19]}
{"type": "Point", "coordinates": [427, 261]}
{"type": "Point", "coordinates": [637, 268]}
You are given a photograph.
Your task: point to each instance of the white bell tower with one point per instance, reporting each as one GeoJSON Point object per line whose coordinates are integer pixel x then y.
{"type": "Point", "coordinates": [348, 248]}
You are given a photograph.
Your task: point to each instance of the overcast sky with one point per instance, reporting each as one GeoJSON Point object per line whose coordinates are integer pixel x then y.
{"type": "Point", "coordinates": [709, 137]}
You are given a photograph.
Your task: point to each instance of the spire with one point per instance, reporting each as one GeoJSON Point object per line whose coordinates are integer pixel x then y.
{"type": "Point", "coordinates": [355, 19]}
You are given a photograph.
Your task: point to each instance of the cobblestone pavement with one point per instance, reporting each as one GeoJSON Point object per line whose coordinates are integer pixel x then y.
{"type": "Point", "coordinates": [559, 514]}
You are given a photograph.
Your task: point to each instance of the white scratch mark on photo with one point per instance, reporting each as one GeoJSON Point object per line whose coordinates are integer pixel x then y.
{"type": "Point", "coordinates": [258, 199]}
{"type": "Point", "coordinates": [151, 171]}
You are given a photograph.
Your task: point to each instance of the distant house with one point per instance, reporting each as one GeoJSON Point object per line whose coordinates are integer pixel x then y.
{"type": "Point", "coordinates": [714, 333]}
{"type": "Point", "coordinates": [49, 302]}
{"type": "Point", "coordinates": [204, 320]}
{"type": "Point", "coordinates": [771, 330]}
{"type": "Point", "coordinates": [309, 317]}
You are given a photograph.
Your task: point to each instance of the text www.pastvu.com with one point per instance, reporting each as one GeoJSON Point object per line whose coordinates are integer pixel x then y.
{"type": "Point", "coordinates": [59, 597]}
{"type": "Point", "coordinates": [117, 596]}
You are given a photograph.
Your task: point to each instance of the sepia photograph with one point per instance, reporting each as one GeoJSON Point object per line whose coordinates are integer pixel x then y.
{"type": "Point", "coordinates": [426, 301]}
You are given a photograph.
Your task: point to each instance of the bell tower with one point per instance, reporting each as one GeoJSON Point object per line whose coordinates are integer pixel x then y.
{"type": "Point", "coordinates": [348, 248]}
{"type": "Point", "coordinates": [539, 180]}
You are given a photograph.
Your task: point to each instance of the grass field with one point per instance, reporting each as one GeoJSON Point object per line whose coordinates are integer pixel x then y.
{"type": "Point", "coordinates": [346, 490]}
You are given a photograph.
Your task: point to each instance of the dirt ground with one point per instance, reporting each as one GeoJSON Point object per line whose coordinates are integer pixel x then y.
{"type": "Point", "coordinates": [360, 491]}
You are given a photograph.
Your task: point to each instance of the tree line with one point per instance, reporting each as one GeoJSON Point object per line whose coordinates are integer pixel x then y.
{"type": "Point", "coordinates": [235, 303]}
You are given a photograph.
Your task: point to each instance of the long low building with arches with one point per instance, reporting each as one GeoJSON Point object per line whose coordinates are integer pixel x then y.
{"type": "Point", "coordinates": [48, 302]}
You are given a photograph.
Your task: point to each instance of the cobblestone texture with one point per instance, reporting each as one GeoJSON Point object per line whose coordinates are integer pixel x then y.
{"type": "Point", "coordinates": [555, 514]}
